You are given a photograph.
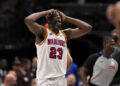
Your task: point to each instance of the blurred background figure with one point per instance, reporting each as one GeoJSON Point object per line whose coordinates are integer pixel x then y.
{"type": "Point", "coordinates": [24, 74]}
{"type": "Point", "coordinates": [34, 67]}
{"type": "Point", "coordinates": [113, 14]}
{"type": "Point", "coordinates": [1, 81]}
{"type": "Point", "coordinates": [16, 64]}
{"type": "Point", "coordinates": [73, 70]}
{"type": "Point", "coordinates": [3, 68]}
{"type": "Point", "coordinates": [71, 80]}
{"type": "Point", "coordinates": [11, 79]}
{"type": "Point", "coordinates": [33, 83]}
{"type": "Point", "coordinates": [110, 12]}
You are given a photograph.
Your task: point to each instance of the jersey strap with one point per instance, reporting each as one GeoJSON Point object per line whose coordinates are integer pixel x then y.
{"type": "Point", "coordinates": [44, 39]}
{"type": "Point", "coordinates": [64, 34]}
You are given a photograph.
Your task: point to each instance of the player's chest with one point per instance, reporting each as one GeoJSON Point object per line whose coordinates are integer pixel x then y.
{"type": "Point", "coordinates": [106, 64]}
{"type": "Point", "coordinates": [53, 40]}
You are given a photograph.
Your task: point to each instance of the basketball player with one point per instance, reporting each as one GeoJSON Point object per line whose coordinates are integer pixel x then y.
{"type": "Point", "coordinates": [51, 45]}
{"type": "Point", "coordinates": [69, 58]}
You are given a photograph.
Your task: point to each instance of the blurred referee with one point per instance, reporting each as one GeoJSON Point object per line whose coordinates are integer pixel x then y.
{"type": "Point", "coordinates": [100, 66]}
{"type": "Point", "coordinates": [116, 55]}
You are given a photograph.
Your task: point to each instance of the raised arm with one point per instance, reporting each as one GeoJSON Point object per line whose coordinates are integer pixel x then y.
{"type": "Point", "coordinates": [82, 27]}
{"type": "Point", "coordinates": [34, 27]}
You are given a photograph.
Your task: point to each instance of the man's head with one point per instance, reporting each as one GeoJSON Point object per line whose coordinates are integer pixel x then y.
{"type": "Point", "coordinates": [71, 80]}
{"type": "Point", "coordinates": [16, 65]}
{"type": "Point", "coordinates": [109, 44]}
{"type": "Point", "coordinates": [55, 19]}
{"type": "Point", "coordinates": [26, 64]}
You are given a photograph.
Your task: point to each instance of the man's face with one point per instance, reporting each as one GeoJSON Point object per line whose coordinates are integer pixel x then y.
{"type": "Point", "coordinates": [71, 80]}
{"type": "Point", "coordinates": [57, 19]}
{"type": "Point", "coordinates": [110, 45]}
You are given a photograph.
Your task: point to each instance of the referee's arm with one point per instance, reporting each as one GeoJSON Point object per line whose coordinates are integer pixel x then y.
{"type": "Point", "coordinates": [87, 68]}
{"type": "Point", "coordinates": [83, 75]}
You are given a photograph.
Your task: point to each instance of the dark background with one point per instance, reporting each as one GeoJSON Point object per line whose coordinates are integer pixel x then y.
{"type": "Point", "coordinates": [16, 40]}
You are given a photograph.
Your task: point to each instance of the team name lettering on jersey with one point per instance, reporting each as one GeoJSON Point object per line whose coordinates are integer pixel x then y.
{"type": "Point", "coordinates": [56, 42]}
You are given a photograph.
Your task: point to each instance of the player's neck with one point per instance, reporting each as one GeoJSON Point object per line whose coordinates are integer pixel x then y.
{"type": "Point", "coordinates": [54, 29]}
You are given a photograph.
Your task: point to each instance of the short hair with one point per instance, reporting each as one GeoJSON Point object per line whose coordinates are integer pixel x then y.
{"type": "Point", "coordinates": [51, 15]}
{"type": "Point", "coordinates": [24, 61]}
{"type": "Point", "coordinates": [107, 38]}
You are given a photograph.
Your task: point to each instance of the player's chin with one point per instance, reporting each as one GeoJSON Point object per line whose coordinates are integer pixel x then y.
{"type": "Point", "coordinates": [59, 24]}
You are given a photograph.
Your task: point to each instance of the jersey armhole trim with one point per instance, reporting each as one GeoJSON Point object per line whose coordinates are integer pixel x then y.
{"type": "Point", "coordinates": [64, 34]}
{"type": "Point", "coordinates": [43, 40]}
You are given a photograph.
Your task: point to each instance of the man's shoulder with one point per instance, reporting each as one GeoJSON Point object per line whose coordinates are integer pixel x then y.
{"type": "Point", "coordinates": [95, 55]}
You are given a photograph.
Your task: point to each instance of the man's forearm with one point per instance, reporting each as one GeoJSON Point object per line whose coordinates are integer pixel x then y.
{"type": "Point", "coordinates": [35, 16]}
{"type": "Point", "coordinates": [83, 77]}
{"type": "Point", "coordinates": [79, 23]}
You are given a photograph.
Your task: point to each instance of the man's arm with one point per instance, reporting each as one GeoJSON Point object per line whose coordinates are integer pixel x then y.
{"type": "Point", "coordinates": [34, 27]}
{"type": "Point", "coordinates": [69, 60]}
{"type": "Point", "coordinates": [87, 68]}
{"type": "Point", "coordinates": [82, 27]}
{"type": "Point", "coordinates": [83, 75]}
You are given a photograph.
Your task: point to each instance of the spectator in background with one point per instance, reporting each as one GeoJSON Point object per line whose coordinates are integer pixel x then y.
{"type": "Point", "coordinates": [34, 67]}
{"type": "Point", "coordinates": [71, 80]}
{"type": "Point", "coordinates": [73, 70]}
{"type": "Point", "coordinates": [24, 74]}
{"type": "Point", "coordinates": [110, 13]}
{"type": "Point", "coordinates": [16, 65]}
{"type": "Point", "coordinates": [3, 68]}
{"type": "Point", "coordinates": [11, 78]}
{"type": "Point", "coordinates": [33, 83]}
{"type": "Point", "coordinates": [113, 14]}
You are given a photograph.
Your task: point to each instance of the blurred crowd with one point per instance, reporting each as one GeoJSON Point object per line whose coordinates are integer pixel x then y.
{"type": "Point", "coordinates": [23, 73]}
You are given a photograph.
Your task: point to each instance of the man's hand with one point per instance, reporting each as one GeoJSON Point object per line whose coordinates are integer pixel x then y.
{"type": "Point", "coordinates": [62, 15]}
{"type": "Point", "coordinates": [48, 12]}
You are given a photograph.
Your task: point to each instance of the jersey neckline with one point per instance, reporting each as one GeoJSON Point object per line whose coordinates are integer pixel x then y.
{"type": "Point", "coordinates": [54, 32]}
{"type": "Point", "coordinates": [101, 52]}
